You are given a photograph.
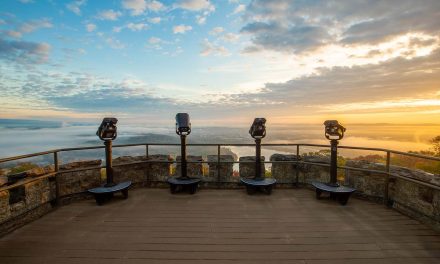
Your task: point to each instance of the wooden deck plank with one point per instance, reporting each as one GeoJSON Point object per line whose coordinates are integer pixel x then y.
{"type": "Point", "coordinates": [222, 226]}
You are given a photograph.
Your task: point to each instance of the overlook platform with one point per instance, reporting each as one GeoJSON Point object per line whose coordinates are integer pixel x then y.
{"type": "Point", "coordinates": [222, 226]}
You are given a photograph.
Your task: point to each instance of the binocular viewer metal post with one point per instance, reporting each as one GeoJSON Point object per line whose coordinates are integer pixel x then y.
{"type": "Point", "coordinates": [107, 132]}
{"type": "Point", "coordinates": [258, 182]}
{"type": "Point", "coordinates": [334, 131]}
{"type": "Point", "coordinates": [183, 128]}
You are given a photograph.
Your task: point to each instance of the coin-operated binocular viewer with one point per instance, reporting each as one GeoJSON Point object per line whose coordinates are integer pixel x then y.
{"type": "Point", "coordinates": [183, 129]}
{"type": "Point", "coordinates": [258, 182]}
{"type": "Point", "coordinates": [334, 132]}
{"type": "Point", "coordinates": [107, 132]}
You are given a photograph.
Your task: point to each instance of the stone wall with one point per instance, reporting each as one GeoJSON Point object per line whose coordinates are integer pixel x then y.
{"type": "Point", "coordinates": [32, 199]}
{"type": "Point", "coordinates": [247, 170]}
{"type": "Point", "coordinates": [284, 172]}
{"type": "Point", "coordinates": [410, 198]}
{"type": "Point", "coordinates": [309, 173]}
{"type": "Point", "coordinates": [81, 181]}
{"type": "Point", "coordinates": [136, 173]}
{"type": "Point", "coordinates": [193, 169]}
{"type": "Point", "coordinates": [366, 183]}
{"type": "Point", "coordinates": [34, 194]}
{"type": "Point", "coordinates": [226, 169]}
{"type": "Point", "coordinates": [161, 170]}
{"type": "Point", "coordinates": [5, 211]}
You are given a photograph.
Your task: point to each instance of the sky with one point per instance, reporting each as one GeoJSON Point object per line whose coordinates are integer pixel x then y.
{"type": "Point", "coordinates": [224, 62]}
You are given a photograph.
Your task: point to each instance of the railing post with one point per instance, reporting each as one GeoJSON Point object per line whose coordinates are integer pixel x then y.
{"type": "Point", "coordinates": [296, 167]}
{"type": "Point", "coordinates": [57, 184]}
{"type": "Point", "coordinates": [147, 155]}
{"type": "Point", "coordinates": [218, 166]}
{"type": "Point", "coordinates": [387, 179]}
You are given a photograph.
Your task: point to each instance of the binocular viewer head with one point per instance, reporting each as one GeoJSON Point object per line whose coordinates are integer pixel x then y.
{"type": "Point", "coordinates": [183, 125]}
{"type": "Point", "coordinates": [258, 128]}
{"type": "Point", "coordinates": [334, 130]}
{"type": "Point", "coordinates": [107, 129]}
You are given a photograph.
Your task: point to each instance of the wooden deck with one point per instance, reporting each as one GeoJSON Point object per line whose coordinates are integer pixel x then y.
{"type": "Point", "coordinates": [222, 226]}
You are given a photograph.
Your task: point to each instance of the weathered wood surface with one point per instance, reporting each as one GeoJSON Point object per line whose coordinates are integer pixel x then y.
{"type": "Point", "coordinates": [222, 226]}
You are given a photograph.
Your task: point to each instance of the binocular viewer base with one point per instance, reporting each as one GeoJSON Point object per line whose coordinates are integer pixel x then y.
{"type": "Point", "coordinates": [183, 183]}
{"type": "Point", "coordinates": [103, 193]}
{"type": "Point", "coordinates": [253, 185]}
{"type": "Point", "coordinates": [340, 193]}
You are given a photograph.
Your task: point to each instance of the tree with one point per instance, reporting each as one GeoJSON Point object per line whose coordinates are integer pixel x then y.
{"type": "Point", "coordinates": [436, 145]}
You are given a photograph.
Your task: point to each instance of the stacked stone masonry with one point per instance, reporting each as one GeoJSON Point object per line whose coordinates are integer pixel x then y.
{"type": "Point", "coordinates": [193, 169]}
{"type": "Point", "coordinates": [225, 169]}
{"type": "Point", "coordinates": [247, 169]}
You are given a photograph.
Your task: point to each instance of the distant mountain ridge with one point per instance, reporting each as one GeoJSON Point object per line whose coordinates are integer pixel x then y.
{"type": "Point", "coordinates": [33, 124]}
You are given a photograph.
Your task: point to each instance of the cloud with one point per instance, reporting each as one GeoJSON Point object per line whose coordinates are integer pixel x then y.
{"type": "Point", "coordinates": [75, 6]}
{"type": "Point", "coordinates": [287, 26]}
{"type": "Point", "coordinates": [275, 36]}
{"type": "Point", "coordinates": [90, 27]}
{"type": "Point", "coordinates": [24, 52]}
{"type": "Point", "coordinates": [201, 20]}
{"type": "Point", "coordinates": [181, 29]}
{"type": "Point", "coordinates": [132, 27]}
{"type": "Point", "coordinates": [154, 40]}
{"type": "Point", "coordinates": [137, 27]}
{"type": "Point", "coordinates": [230, 37]}
{"type": "Point", "coordinates": [28, 27]}
{"type": "Point", "coordinates": [216, 30]}
{"type": "Point", "coordinates": [395, 80]}
{"type": "Point", "coordinates": [138, 7]}
{"type": "Point", "coordinates": [85, 92]}
{"type": "Point", "coordinates": [195, 5]}
{"type": "Point", "coordinates": [155, 6]}
{"type": "Point", "coordinates": [114, 43]}
{"type": "Point", "coordinates": [209, 48]}
{"type": "Point", "coordinates": [155, 20]}
{"type": "Point", "coordinates": [13, 34]}
{"type": "Point", "coordinates": [109, 15]}
{"type": "Point", "coordinates": [240, 8]}
{"type": "Point", "coordinates": [204, 6]}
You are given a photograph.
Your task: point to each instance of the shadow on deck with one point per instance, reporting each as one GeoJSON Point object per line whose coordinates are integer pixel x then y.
{"type": "Point", "coordinates": [222, 226]}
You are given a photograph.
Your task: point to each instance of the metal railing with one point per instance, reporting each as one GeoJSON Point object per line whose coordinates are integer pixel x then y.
{"type": "Point", "coordinates": [295, 147]}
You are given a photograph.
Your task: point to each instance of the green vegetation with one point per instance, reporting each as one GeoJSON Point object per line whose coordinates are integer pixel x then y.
{"type": "Point", "coordinates": [430, 166]}
{"type": "Point", "coordinates": [436, 145]}
{"type": "Point", "coordinates": [23, 167]}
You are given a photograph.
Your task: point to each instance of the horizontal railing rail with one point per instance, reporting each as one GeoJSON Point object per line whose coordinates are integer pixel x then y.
{"type": "Point", "coordinates": [387, 168]}
{"type": "Point", "coordinates": [25, 156]}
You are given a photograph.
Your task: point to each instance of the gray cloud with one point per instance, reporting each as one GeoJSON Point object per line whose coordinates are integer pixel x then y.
{"type": "Point", "coordinates": [109, 99]}
{"type": "Point", "coordinates": [396, 79]}
{"type": "Point", "coordinates": [24, 51]}
{"type": "Point", "coordinates": [285, 25]}
{"type": "Point", "coordinates": [81, 92]}
{"type": "Point", "coordinates": [275, 36]}
{"type": "Point", "coordinates": [22, 28]}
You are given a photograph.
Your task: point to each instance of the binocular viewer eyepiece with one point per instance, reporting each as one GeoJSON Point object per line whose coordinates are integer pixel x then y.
{"type": "Point", "coordinates": [107, 129]}
{"type": "Point", "coordinates": [258, 128]}
{"type": "Point", "coordinates": [334, 130]}
{"type": "Point", "coordinates": [183, 125]}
